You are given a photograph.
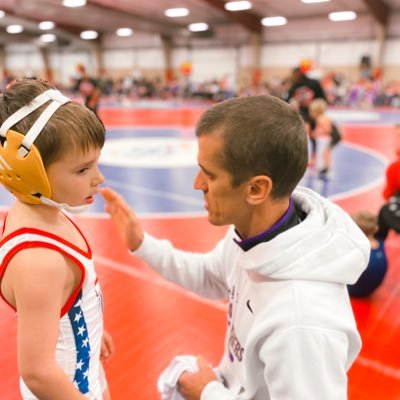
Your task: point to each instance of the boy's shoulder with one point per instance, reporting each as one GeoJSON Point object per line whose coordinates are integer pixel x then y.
{"type": "Point", "coordinates": [31, 218]}
{"type": "Point", "coordinates": [23, 216]}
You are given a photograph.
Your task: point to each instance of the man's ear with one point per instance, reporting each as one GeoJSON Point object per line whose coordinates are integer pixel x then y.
{"type": "Point", "coordinates": [259, 189]}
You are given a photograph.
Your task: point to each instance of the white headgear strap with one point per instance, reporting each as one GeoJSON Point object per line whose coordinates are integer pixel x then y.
{"type": "Point", "coordinates": [58, 99]}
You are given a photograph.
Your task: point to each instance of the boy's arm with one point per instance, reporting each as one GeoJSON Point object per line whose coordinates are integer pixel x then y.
{"type": "Point", "coordinates": [324, 126]}
{"type": "Point", "coordinates": [107, 346]}
{"type": "Point", "coordinates": [95, 97]}
{"type": "Point", "coordinates": [41, 281]}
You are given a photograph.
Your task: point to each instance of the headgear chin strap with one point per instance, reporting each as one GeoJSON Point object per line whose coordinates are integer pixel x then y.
{"type": "Point", "coordinates": [65, 207]}
{"type": "Point", "coordinates": [21, 166]}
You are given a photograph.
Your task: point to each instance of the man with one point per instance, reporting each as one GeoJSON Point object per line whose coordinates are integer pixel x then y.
{"type": "Point", "coordinates": [283, 265]}
{"type": "Point", "coordinates": [89, 88]}
{"type": "Point", "coordinates": [302, 92]}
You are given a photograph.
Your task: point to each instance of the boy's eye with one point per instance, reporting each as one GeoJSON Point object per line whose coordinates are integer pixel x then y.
{"type": "Point", "coordinates": [83, 170]}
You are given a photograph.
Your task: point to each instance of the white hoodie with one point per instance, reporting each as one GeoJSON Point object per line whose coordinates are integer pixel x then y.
{"type": "Point", "coordinates": [291, 332]}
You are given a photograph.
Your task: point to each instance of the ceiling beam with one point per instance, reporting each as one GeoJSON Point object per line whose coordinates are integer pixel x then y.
{"type": "Point", "coordinates": [74, 26]}
{"type": "Point", "coordinates": [379, 10]}
{"type": "Point", "coordinates": [251, 21]}
{"type": "Point", "coordinates": [15, 12]}
{"type": "Point", "coordinates": [138, 22]}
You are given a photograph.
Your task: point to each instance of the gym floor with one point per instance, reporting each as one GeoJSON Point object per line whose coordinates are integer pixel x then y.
{"type": "Point", "coordinates": [150, 158]}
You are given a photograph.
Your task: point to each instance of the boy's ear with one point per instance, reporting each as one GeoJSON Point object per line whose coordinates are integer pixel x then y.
{"type": "Point", "coordinates": [259, 189]}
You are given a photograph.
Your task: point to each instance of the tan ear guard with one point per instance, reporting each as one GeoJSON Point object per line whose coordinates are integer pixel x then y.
{"type": "Point", "coordinates": [21, 166]}
{"type": "Point", "coordinates": [25, 177]}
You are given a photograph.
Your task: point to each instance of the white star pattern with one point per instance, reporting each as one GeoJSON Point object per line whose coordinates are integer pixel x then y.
{"type": "Point", "coordinates": [81, 330]}
{"type": "Point", "coordinates": [83, 346]}
{"type": "Point", "coordinates": [79, 365]}
{"type": "Point", "coordinates": [78, 316]}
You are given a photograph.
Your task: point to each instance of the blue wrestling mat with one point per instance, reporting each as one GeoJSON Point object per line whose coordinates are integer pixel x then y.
{"type": "Point", "coordinates": [154, 167]}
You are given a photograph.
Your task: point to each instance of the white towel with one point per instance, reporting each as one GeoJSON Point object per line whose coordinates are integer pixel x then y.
{"type": "Point", "coordinates": [168, 380]}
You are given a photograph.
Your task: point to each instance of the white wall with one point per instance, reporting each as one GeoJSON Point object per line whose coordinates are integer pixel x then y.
{"type": "Point", "coordinates": [208, 64]}
{"type": "Point", "coordinates": [125, 59]}
{"type": "Point", "coordinates": [347, 53]}
{"type": "Point", "coordinates": [392, 53]}
{"type": "Point", "coordinates": [23, 57]}
{"type": "Point", "coordinates": [287, 55]}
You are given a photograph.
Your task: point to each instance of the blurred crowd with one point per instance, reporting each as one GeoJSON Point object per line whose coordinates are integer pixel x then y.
{"type": "Point", "coordinates": [366, 92]}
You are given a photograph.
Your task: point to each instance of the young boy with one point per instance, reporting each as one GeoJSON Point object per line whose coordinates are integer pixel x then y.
{"type": "Point", "coordinates": [375, 272]}
{"type": "Point", "coordinates": [322, 125]}
{"type": "Point", "coordinates": [49, 160]}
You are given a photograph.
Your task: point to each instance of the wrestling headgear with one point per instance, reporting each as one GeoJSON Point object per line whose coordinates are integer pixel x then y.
{"type": "Point", "coordinates": [21, 167]}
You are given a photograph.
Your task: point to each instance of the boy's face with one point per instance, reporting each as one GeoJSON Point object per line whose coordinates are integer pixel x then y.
{"type": "Point", "coordinates": [75, 177]}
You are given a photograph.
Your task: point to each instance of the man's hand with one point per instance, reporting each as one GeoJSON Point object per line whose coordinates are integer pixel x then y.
{"type": "Point", "coordinates": [191, 384]}
{"type": "Point", "coordinates": [125, 219]}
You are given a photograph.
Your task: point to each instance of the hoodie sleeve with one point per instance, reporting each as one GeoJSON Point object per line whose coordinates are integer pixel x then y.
{"type": "Point", "coordinates": [200, 273]}
{"type": "Point", "coordinates": [306, 363]}
{"type": "Point", "coordinates": [217, 391]}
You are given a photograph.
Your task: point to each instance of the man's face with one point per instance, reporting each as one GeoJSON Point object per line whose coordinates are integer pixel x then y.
{"type": "Point", "coordinates": [297, 76]}
{"type": "Point", "coordinates": [225, 204]}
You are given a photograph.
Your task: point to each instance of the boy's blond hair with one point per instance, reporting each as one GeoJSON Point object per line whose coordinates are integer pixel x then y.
{"type": "Point", "coordinates": [318, 105]}
{"type": "Point", "coordinates": [366, 221]}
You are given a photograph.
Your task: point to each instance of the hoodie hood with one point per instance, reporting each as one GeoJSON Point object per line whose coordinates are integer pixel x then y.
{"type": "Point", "coordinates": [326, 246]}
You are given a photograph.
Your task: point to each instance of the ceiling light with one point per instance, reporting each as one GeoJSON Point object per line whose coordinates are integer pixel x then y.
{"type": "Point", "coordinates": [2, 14]}
{"type": "Point", "coordinates": [89, 35]}
{"type": "Point", "coordinates": [46, 25]}
{"type": "Point", "coordinates": [198, 27]}
{"type": "Point", "coordinates": [48, 37]}
{"type": "Point", "coordinates": [176, 12]}
{"type": "Point", "coordinates": [74, 3]}
{"type": "Point", "coordinates": [315, 1]}
{"type": "Point", "coordinates": [14, 29]}
{"type": "Point", "coordinates": [124, 32]}
{"type": "Point", "coordinates": [237, 5]}
{"type": "Point", "coordinates": [274, 21]}
{"type": "Point", "coordinates": [342, 16]}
